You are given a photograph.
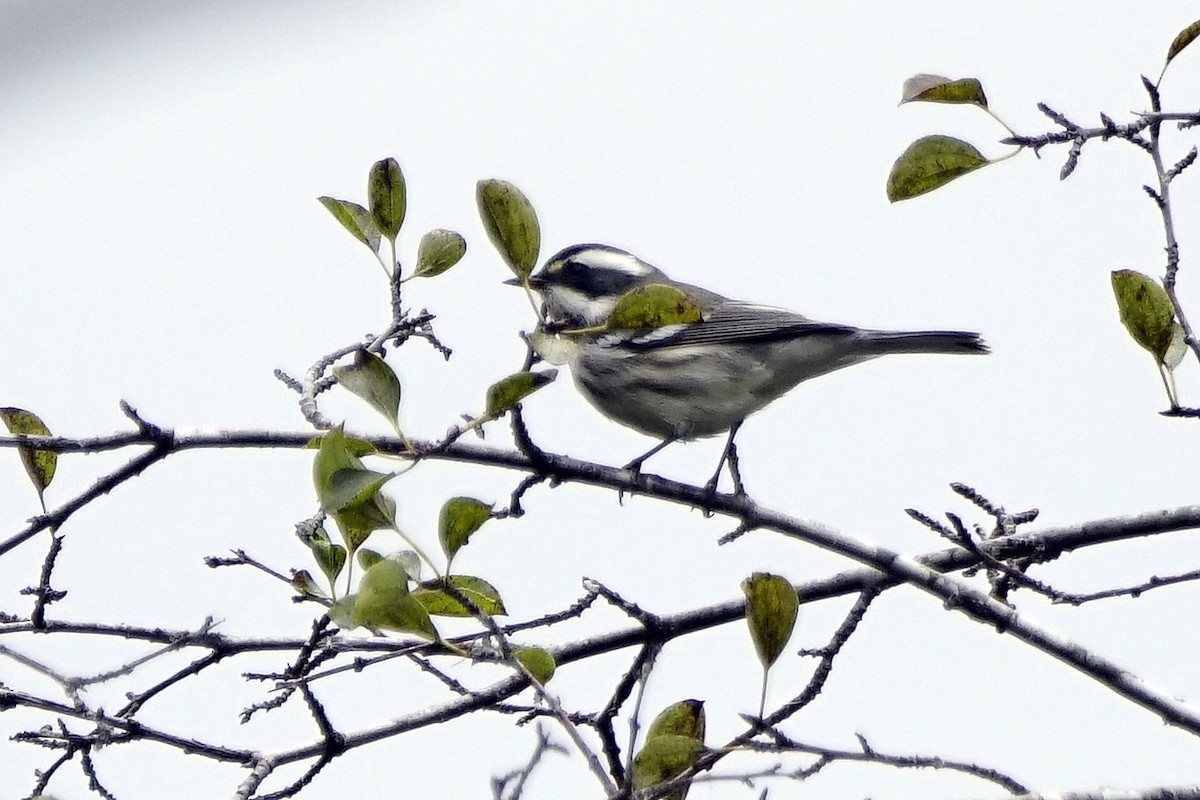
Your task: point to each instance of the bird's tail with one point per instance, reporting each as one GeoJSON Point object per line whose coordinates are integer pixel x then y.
{"type": "Point", "coordinates": [927, 342]}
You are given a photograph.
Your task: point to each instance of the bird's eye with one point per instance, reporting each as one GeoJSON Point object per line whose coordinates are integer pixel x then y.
{"type": "Point", "coordinates": [580, 273]}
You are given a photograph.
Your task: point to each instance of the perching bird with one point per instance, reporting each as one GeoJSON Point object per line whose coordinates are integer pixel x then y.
{"type": "Point", "coordinates": [691, 380]}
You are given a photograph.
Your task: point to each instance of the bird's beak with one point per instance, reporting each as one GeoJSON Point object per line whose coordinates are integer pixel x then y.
{"type": "Point", "coordinates": [534, 281]}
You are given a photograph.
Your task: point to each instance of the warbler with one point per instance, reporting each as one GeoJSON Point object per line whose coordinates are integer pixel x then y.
{"type": "Point", "coordinates": [696, 379]}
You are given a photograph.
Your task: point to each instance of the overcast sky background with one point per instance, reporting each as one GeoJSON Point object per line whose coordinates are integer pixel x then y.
{"type": "Point", "coordinates": [161, 243]}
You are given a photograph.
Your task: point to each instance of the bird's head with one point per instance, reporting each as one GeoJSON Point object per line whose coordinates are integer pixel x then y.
{"type": "Point", "coordinates": [580, 285]}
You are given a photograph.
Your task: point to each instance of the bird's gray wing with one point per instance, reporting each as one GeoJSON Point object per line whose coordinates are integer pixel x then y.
{"type": "Point", "coordinates": [731, 322]}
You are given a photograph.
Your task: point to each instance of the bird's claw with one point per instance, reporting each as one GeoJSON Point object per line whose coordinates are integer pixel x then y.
{"type": "Point", "coordinates": [634, 468]}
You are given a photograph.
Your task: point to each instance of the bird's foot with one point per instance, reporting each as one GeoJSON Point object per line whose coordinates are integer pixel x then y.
{"type": "Point", "coordinates": [729, 458]}
{"type": "Point", "coordinates": [709, 492]}
{"type": "Point", "coordinates": [635, 469]}
{"type": "Point", "coordinates": [735, 472]}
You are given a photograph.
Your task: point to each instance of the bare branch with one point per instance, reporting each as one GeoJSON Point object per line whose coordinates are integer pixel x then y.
{"type": "Point", "coordinates": [512, 785]}
{"type": "Point", "coordinates": [1191, 792]}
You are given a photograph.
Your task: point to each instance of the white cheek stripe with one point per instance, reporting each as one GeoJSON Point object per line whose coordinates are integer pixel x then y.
{"type": "Point", "coordinates": [576, 306]}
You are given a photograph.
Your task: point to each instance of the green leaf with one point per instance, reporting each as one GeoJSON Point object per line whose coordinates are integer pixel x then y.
{"type": "Point", "coordinates": [330, 557]}
{"type": "Point", "coordinates": [39, 464]}
{"type": "Point", "coordinates": [356, 509]}
{"type": "Point", "coordinates": [341, 613]}
{"type": "Point", "coordinates": [682, 720]}
{"type": "Point", "coordinates": [367, 558]}
{"type": "Point", "coordinates": [352, 487]}
{"type": "Point", "coordinates": [403, 614]}
{"type": "Point", "coordinates": [511, 224]}
{"type": "Point", "coordinates": [305, 586]}
{"type": "Point", "coordinates": [1146, 312]}
{"type": "Point", "coordinates": [506, 393]}
{"type": "Point", "coordinates": [1183, 39]}
{"type": "Point", "coordinates": [387, 576]}
{"type": "Point", "coordinates": [439, 602]}
{"type": "Point", "coordinates": [384, 601]}
{"type": "Point", "coordinates": [940, 89]}
{"type": "Point", "coordinates": [439, 251]}
{"type": "Point", "coordinates": [653, 306]}
{"type": "Point", "coordinates": [539, 662]}
{"type": "Point", "coordinates": [354, 532]}
{"type": "Point", "coordinates": [931, 162]}
{"type": "Point", "coordinates": [331, 560]}
{"type": "Point", "coordinates": [357, 521]}
{"type": "Point", "coordinates": [664, 757]}
{"type": "Point", "coordinates": [355, 219]}
{"type": "Point", "coordinates": [685, 718]}
{"type": "Point", "coordinates": [460, 517]}
{"type": "Point", "coordinates": [370, 378]}
{"type": "Point", "coordinates": [771, 608]}
{"type": "Point", "coordinates": [336, 452]}
{"type": "Point", "coordinates": [386, 196]}
{"type": "Point", "coordinates": [351, 444]}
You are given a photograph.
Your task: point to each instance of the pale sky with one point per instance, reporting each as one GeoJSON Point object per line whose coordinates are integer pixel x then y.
{"type": "Point", "coordinates": [162, 244]}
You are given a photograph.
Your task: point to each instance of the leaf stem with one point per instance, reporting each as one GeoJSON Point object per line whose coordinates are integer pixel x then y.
{"type": "Point", "coordinates": [537, 309]}
{"type": "Point", "coordinates": [996, 117]}
{"type": "Point", "coordinates": [1168, 379]}
{"type": "Point", "coordinates": [762, 698]}
{"type": "Point", "coordinates": [417, 549]}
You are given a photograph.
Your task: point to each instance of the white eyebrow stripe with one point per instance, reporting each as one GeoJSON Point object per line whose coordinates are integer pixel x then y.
{"type": "Point", "coordinates": [618, 261]}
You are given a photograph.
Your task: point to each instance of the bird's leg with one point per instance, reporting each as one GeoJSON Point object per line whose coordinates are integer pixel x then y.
{"type": "Point", "coordinates": [735, 471]}
{"type": "Point", "coordinates": [635, 466]}
{"type": "Point", "coordinates": [728, 456]}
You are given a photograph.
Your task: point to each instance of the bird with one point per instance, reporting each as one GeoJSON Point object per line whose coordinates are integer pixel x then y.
{"type": "Point", "coordinates": [694, 379]}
